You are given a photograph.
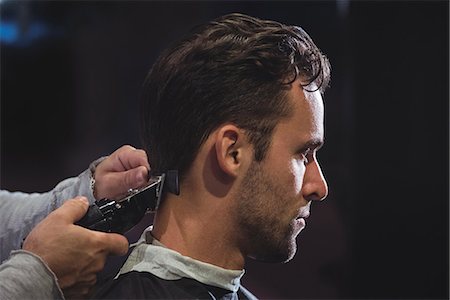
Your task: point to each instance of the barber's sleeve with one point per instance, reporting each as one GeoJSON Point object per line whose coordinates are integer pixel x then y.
{"type": "Point", "coordinates": [77, 186]}
{"type": "Point", "coordinates": [21, 212]}
{"type": "Point", "coordinates": [25, 276]}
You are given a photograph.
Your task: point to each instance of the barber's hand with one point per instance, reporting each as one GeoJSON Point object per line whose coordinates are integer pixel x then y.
{"type": "Point", "coordinates": [126, 168]}
{"type": "Point", "coordinates": [73, 253]}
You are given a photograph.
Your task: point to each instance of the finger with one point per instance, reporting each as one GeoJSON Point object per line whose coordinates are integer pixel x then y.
{"type": "Point", "coordinates": [74, 209]}
{"type": "Point", "coordinates": [88, 279]}
{"type": "Point", "coordinates": [116, 184]}
{"type": "Point", "coordinates": [125, 148]}
{"type": "Point", "coordinates": [132, 158]}
{"type": "Point", "coordinates": [113, 162]}
{"type": "Point", "coordinates": [115, 244]}
{"type": "Point", "coordinates": [77, 291]}
{"type": "Point", "coordinates": [136, 177]}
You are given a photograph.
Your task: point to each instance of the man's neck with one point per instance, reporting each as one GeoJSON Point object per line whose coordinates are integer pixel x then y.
{"type": "Point", "coordinates": [199, 228]}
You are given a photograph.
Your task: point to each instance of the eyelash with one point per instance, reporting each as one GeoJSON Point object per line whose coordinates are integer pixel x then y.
{"type": "Point", "coordinates": [304, 154]}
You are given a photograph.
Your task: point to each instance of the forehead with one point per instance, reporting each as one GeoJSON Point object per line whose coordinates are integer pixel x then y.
{"type": "Point", "coordinates": [306, 119]}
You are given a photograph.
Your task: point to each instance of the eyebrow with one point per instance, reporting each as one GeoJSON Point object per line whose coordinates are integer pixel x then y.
{"type": "Point", "coordinates": [314, 144]}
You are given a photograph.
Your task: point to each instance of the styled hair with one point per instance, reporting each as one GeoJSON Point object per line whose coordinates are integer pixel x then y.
{"type": "Point", "coordinates": [235, 69]}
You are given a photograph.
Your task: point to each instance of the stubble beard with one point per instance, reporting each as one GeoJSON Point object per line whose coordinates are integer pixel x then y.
{"type": "Point", "coordinates": [261, 218]}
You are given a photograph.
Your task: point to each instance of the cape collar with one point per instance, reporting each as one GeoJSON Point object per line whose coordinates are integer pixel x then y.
{"type": "Point", "coordinates": [150, 255]}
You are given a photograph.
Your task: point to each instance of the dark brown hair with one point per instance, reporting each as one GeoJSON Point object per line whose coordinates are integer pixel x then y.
{"type": "Point", "coordinates": [234, 69]}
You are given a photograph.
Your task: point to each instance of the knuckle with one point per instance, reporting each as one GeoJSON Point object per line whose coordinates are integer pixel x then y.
{"type": "Point", "coordinates": [84, 291]}
{"type": "Point", "coordinates": [96, 241]}
{"type": "Point", "coordinates": [141, 152]}
{"type": "Point", "coordinates": [126, 148]}
{"type": "Point", "coordinates": [102, 241]}
{"type": "Point", "coordinates": [129, 179]}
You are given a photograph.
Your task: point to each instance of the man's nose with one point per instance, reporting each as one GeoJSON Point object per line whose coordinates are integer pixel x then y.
{"type": "Point", "coordinates": [314, 184]}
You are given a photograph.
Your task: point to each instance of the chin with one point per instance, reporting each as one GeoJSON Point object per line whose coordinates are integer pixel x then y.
{"type": "Point", "coordinates": [280, 253]}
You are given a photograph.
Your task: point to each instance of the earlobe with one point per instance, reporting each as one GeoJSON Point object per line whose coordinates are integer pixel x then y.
{"type": "Point", "coordinates": [229, 149]}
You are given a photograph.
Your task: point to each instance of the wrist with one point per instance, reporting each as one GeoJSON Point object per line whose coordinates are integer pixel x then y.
{"type": "Point", "coordinates": [92, 168]}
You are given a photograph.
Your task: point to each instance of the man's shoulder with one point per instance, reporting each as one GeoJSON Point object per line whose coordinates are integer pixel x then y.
{"type": "Point", "coordinates": [144, 285]}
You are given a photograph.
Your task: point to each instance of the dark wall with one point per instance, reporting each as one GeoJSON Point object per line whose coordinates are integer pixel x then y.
{"type": "Point", "coordinates": [70, 81]}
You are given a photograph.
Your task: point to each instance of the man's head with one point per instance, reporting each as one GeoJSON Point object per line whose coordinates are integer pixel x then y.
{"type": "Point", "coordinates": [238, 104]}
{"type": "Point", "coordinates": [234, 69]}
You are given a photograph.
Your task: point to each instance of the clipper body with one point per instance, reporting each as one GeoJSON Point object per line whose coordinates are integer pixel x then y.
{"type": "Point", "coordinates": [121, 215]}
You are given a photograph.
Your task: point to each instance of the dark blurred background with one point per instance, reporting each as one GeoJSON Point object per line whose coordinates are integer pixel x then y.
{"type": "Point", "coordinates": [70, 79]}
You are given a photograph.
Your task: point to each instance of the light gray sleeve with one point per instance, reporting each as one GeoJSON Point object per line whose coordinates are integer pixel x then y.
{"type": "Point", "coordinates": [20, 212]}
{"type": "Point", "coordinates": [25, 276]}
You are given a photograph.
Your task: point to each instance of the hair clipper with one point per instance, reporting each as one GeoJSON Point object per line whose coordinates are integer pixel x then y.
{"type": "Point", "coordinates": [121, 215]}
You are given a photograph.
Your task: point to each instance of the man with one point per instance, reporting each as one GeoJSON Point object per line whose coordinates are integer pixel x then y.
{"type": "Point", "coordinates": [236, 107]}
{"type": "Point", "coordinates": [57, 255]}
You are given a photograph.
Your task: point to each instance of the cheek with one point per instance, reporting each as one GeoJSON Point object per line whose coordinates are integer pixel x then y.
{"type": "Point", "coordinates": [297, 171]}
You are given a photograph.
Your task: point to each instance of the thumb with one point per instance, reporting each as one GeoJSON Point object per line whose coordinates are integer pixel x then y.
{"type": "Point", "coordinates": [116, 244]}
{"type": "Point", "coordinates": [119, 183]}
{"type": "Point", "coordinates": [136, 177]}
{"type": "Point", "coordinates": [74, 209]}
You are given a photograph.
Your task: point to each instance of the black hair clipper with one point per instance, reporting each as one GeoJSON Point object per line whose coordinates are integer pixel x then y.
{"type": "Point", "coordinates": [121, 215]}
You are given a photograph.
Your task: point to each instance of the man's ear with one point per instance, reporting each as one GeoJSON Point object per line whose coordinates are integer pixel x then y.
{"type": "Point", "coordinates": [232, 149]}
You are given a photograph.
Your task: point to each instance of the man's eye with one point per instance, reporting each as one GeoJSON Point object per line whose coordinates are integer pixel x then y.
{"type": "Point", "coordinates": [305, 155]}
{"type": "Point", "coordinates": [305, 159]}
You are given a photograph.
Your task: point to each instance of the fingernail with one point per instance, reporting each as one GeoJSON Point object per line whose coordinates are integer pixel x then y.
{"type": "Point", "coordinates": [140, 178]}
